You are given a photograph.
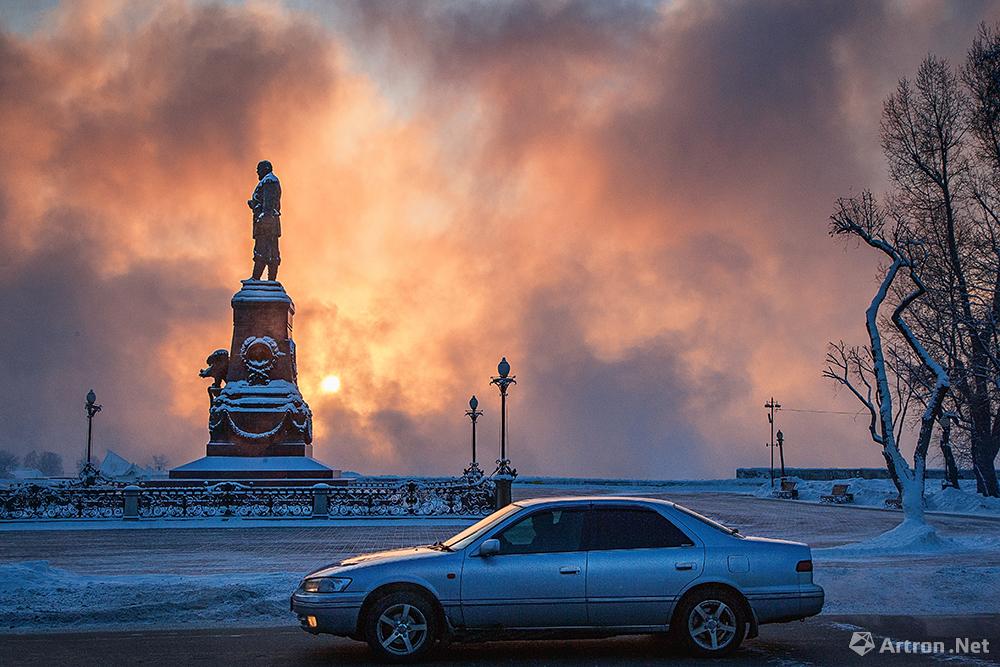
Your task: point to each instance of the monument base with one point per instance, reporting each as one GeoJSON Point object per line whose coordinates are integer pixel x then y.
{"type": "Point", "coordinates": [254, 467]}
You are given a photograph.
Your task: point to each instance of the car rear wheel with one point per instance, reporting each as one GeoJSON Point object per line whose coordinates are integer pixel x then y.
{"type": "Point", "coordinates": [711, 623]}
{"type": "Point", "coordinates": [401, 627]}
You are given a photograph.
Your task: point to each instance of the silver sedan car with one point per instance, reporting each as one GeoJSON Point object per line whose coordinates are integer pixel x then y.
{"type": "Point", "coordinates": [572, 566]}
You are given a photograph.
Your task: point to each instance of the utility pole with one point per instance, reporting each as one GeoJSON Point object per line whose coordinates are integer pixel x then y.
{"type": "Point", "coordinates": [772, 406]}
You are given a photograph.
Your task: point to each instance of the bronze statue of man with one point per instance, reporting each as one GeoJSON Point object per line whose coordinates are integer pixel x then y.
{"type": "Point", "coordinates": [266, 206]}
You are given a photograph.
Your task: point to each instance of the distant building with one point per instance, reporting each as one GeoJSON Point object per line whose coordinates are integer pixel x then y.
{"type": "Point", "coordinates": [115, 466]}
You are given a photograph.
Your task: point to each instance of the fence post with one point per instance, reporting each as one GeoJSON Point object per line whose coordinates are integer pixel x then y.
{"type": "Point", "coordinates": [131, 510]}
{"type": "Point", "coordinates": [321, 501]}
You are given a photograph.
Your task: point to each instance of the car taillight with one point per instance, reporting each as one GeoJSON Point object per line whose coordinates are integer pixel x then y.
{"type": "Point", "coordinates": [804, 566]}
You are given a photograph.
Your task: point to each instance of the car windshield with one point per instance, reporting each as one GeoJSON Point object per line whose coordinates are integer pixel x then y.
{"type": "Point", "coordinates": [704, 519]}
{"type": "Point", "coordinates": [468, 535]}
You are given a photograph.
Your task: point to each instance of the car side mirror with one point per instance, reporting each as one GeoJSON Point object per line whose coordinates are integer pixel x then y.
{"type": "Point", "coordinates": [489, 548]}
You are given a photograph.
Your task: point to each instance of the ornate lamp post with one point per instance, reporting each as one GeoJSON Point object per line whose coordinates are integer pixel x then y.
{"type": "Point", "coordinates": [504, 474]}
{"type": "Point", "coordinates": [89, 472]}
{"type": "Point", "coordinates": [473, 414]}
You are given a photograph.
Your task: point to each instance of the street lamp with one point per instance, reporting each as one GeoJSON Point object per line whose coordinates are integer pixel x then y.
{"type": "Point", "coordinates": [473, 414]}
{"type": "Point", "coordinates": [503, 381]}
{"type": "Point", "coordinates": [89, 472]}
{"type": "Point", "coordinates": [504, 474]}
{"type": "Point", "coordinates": [781, 451]}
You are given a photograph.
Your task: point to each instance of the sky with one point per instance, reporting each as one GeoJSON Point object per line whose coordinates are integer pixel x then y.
{"type": "Point", "coordinates": [628, 200]}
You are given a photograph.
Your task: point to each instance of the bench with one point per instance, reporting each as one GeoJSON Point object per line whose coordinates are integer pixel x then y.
{"type": "Point", "coordinates": [895, 503]}
{"type": "Point", "coordinates": [787, 491]}
{"type": "Point", "coordinates": [838, 495]}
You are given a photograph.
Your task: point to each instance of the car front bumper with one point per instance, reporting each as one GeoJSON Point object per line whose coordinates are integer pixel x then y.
{"type": "Point", "coordinates": [328, 613]}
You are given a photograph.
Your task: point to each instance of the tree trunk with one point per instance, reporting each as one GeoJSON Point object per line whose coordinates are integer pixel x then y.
{"type": "Point", "coordinates": [913, 499]}
{"type": "Point", "coordinates": [950, 469]}
{"type": "Point", "coordinates": [986, 472]}
{"type": "Point", "coordinates": [893, 475]}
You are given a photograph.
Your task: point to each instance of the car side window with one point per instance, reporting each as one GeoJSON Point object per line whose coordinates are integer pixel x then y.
{"type": "Point", "coordinates": [632, 529]}
{"type": "Point", "coordinates": [544, 532]}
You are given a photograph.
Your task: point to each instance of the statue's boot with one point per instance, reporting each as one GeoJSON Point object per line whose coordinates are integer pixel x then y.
{"type": "Point", "coordinates": [258, 269]}
{"type": "Point", "coordinates": [272, 271]}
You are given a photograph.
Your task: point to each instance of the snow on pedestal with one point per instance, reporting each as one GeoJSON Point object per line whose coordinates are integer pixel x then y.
{"type": "Point", "coordinates": [249, 467]}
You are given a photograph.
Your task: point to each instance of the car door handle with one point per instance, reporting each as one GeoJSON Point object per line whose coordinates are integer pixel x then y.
{"type": "Point", "coordinates": [569, 570]}
{"type": "Point", "coordinates": [684, 566]}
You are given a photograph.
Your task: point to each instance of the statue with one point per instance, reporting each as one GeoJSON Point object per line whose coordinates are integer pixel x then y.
{"type": "Point", "coordinates": [218, 368]}
{"type": "Point", "coordinates": [266, 206]}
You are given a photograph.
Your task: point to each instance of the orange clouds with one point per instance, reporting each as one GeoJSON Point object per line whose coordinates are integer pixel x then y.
{"type": "Point", "coordinates": [628, 202]}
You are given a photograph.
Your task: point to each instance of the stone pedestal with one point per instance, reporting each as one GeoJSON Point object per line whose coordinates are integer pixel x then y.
{"type": "Point", "coordinates": [259, 424]}
{"type": "Point", "coordinates": [503, 484]}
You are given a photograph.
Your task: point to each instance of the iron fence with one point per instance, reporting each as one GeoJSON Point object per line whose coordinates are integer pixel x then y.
{"type": "Point", "coordinates": [466, 496]}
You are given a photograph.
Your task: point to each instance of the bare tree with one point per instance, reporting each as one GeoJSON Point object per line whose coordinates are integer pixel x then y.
{"type": "Point", "coordinates": [50, 463]}
{"type": "Point", "coordinates": [8, 462]}
{"type": "Point", "coordinates": [867, 373]}
{"type": "Point", "coordinates": [159, 462]}
{"type": "Point", "coordinates": [941, 138]}
{"type": "Point", "coordinates": [31, 460]}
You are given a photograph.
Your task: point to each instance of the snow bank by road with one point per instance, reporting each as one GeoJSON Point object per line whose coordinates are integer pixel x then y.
{"type": "Point", "coordinates": [35, 597]}
{"type": "Point", "coordinates": [907, 538]}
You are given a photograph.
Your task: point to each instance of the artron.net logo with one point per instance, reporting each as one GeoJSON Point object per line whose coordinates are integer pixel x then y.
{"type": "Point", "coordinates": [863, 643]}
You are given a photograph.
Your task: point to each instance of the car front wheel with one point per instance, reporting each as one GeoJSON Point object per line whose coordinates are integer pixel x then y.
{"type": "Point", "coordinates": [711, 623]}
{"type": "Point", "coordinates": [401, 627]}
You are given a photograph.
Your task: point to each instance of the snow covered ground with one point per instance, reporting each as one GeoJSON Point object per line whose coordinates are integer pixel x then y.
{"type": "Point", "coordinates": [874, 493]}
{"type": "Point", "coordinates": [239, 573]}
{"type": "Point", "coordinates": [36, 597]}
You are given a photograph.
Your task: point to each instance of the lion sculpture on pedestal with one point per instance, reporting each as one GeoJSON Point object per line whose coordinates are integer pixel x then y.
{"type": "Point", "coordinates": [218, 368]}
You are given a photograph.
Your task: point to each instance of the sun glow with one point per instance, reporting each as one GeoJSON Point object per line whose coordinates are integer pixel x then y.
{"type": "Point", "coordinates": [330, 384]}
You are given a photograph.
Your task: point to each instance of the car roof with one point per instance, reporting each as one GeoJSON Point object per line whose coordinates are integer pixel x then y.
{"type": "Point", "coordinates": [591, 500]}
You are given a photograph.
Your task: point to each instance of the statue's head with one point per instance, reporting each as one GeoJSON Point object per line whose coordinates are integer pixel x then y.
{"type": "Point", "coordinates": [264, 168]}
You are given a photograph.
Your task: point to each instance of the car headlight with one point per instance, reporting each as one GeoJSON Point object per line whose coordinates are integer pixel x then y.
{"type": "Point", "coordinates": [325, 585]}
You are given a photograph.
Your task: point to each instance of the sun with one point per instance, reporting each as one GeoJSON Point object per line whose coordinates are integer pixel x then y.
{"type": "Point", "coordinates": [330, 384]}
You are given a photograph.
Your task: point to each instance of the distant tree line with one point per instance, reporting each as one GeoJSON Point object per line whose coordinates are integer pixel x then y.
{"type": "Point", "coordinates": [49, 464]}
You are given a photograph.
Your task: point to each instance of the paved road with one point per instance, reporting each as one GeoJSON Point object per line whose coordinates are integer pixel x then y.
{"type": "Point", "coordinates": [189, 549]}
{"type": "Point", "coordinates": [817, 641]}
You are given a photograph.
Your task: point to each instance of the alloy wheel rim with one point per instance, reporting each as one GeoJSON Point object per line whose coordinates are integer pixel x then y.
{"type": "Point", "coordinates": [401, 629]}
{"type": "Point", "coordinates": [712, 624]}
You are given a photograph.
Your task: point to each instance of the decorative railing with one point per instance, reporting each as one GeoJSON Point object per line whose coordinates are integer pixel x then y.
{"type": "Point", "coordinates": [467, 496]}
{"type": "Point", "coordinates": [34, 501]}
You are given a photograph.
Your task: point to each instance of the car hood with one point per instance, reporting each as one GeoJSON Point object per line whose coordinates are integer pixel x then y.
{"type": "Point", "coordinates": [378, 558]}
